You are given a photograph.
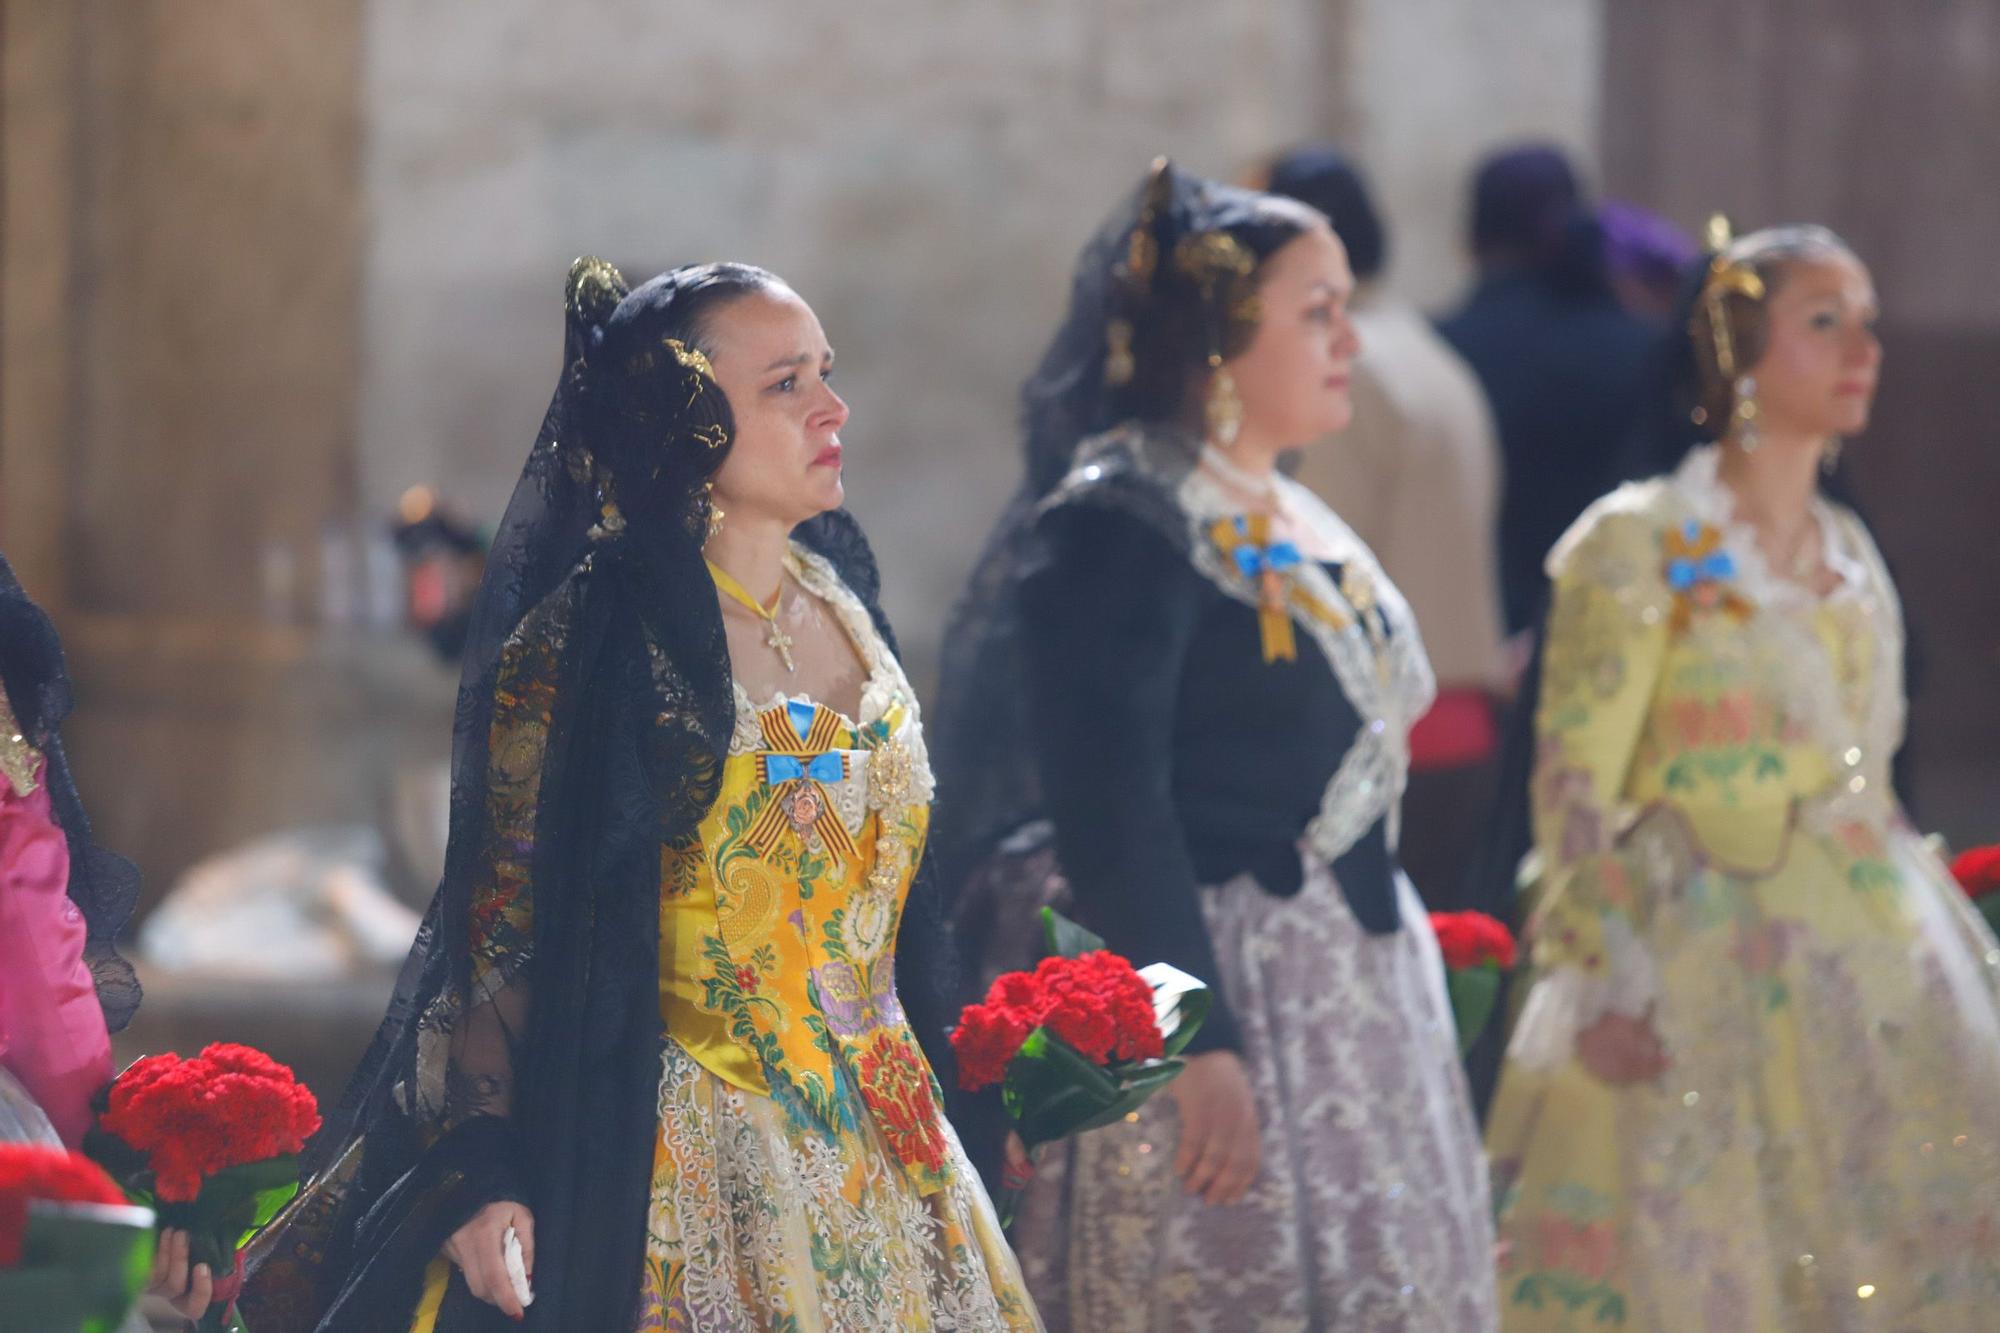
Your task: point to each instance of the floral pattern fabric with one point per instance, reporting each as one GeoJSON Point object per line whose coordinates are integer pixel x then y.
{"type": "Point", "coordinates": [1721, 851]}
{"type": "Point", "coordinates": [805, 1176]}
{"type": "Point", "coordinates": [1370, 1212]}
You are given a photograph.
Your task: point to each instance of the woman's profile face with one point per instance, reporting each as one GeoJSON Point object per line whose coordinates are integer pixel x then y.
{"type": "Point", "coordinates": [774, 364]}
{"type": "Point", "coordinates": [1294, 376]}
{"type": "Point", "coordinates": [1817, 374]}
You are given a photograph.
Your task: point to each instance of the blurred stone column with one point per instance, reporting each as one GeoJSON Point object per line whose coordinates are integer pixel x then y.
{"type": "Point", "coordinates": [182, 277]}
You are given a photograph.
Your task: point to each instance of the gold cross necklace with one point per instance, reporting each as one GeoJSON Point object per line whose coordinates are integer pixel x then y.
{"type": "Point", "coordinates": [781, 642]}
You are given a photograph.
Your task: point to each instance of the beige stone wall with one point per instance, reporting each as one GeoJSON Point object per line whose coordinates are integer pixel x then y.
{"type": "Point", "coordinates": [923, 173]}
{"type": "Point", "coordinates": [1437, 84]}
{"type": "Point", "coordinates": [181, 342]}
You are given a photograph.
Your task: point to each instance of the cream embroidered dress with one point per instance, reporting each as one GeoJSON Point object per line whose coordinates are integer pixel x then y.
{"type": "Point", "coordinates": [1722, 851]}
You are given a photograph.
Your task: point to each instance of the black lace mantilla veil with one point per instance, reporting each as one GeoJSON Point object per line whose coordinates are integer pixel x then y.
{"type": "Point", "coordinates": [103, 885]}
{"type": "Point", "coordinates": [519, 1058]}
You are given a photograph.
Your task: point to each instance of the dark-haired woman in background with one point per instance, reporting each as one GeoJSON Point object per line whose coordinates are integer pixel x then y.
{"type": "Point", "coordinates": [1564, 366]}
{"type": "Point", "coordinates": [651, 1058]}
{"type": "Point", "coordinates": [1186, 672]}
{"type": "Point", "coordinates": [1756, 1082]}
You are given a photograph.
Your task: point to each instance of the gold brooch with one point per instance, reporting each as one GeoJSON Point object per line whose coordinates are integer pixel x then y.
{"type": "Point", "coordinates": [892, 775]}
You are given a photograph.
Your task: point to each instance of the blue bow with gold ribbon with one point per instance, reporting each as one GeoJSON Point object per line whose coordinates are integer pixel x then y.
{"type": "Point", "coordinates": [1246, 540]}
{"type": "Point", "coordinates": [1699, 572]}
{"type": "Point", "coordinates": [799, 760]}
{"type": "Point", "coordinates": [1682, 575]}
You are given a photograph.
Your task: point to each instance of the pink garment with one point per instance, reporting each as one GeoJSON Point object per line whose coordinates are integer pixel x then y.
{"type": "Point", "coordinates": [52, 1034]}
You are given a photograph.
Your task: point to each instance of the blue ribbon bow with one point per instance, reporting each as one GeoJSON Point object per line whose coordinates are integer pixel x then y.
{"type": "Point", "coordinates": [828, 767]}
{"type": "Point", "coordinates": [1254, 560]}
{"type": "Point", "coordinates": [1684, 573]}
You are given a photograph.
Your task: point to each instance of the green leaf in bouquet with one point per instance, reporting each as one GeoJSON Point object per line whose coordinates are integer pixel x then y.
{"type": "Point", "coordinates": [1180, 1003]}
{"type": "Point", "coordinates": [1473, 991]}
{"type": "Point", "coordinates": [1052, 1089]}
{"type": "Point", "coordinates": [1066, 939]}
{"type": "Point", "coordinates": [1137, 1084]}
{"type": "Point", "coordinates": [232, 1206]}
{"type": "Point", "coordinates": [82, 1267]}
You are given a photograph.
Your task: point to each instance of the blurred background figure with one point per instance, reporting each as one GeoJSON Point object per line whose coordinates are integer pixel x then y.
{"type": "Point", "coordinates": [1417, 476]}
{"type": "Point", "coordinates": [443, 554]}
{"type": "Point", "coordinates": [1646, 257]}
{"type": "Point", "coordinates": [1564, 365]}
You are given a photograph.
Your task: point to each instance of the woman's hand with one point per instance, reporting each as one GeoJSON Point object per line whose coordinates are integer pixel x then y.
{"type": "Point", "coordinates": [1221, 1146]}
{"type": "Point", "coordinates": [479, 1250]}
{"type": "Point", "coordinates": [1621, 1050]}
{"type": "Point", "coordinates": [189, 1293]}
{"type": "Point", "coordinates": [1020, 1164]}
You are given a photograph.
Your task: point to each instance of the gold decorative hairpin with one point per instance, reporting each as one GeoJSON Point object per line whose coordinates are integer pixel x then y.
{"type": "Point", "coordinates": [1210, 257]}
{"type": "Point", "coordinates": [691, 357]}
{"type": "Point", "coordinates": [594, 289]}
{"type": "Point", "coordinates": [1725, 278]}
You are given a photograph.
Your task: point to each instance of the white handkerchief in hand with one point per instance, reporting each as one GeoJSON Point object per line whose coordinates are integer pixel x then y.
{"type": "Point", "coordinates": [517, 1269]}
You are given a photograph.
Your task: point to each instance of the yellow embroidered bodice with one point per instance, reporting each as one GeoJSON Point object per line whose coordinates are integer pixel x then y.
{"type": "Point", "coordinates": [1682, 677]}
{"type": "Point", "coordinates": [778, 920]}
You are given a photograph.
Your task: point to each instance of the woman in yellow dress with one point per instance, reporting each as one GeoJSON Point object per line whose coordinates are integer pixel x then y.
{"type": "Point", "coordinates": [1756, 1082]}
{"type": "Point", "coordinates": [650, 1066]}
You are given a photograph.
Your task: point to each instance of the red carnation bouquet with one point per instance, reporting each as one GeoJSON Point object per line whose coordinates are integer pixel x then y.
{"type": "Point", "coordinates": [73, 1253]}
{"type": "Point", "coordinates": [1476, 949]}
{"type": "Point", "coordinates": [1079, 1042]}
{"type": "Point", "coordinates": [212, 1144]}
{"type": "Point", "coordinates": [1978, 872]}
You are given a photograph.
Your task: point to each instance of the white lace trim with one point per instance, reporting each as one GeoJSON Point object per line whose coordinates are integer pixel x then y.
{"type": "Point", "coordinates": [1699, 483]}
{"type": "Point", "coordinates": [1370, 779]}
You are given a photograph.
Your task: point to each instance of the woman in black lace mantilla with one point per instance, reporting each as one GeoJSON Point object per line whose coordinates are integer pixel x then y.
{"type": "Point", "coordinates": [590, 1056]}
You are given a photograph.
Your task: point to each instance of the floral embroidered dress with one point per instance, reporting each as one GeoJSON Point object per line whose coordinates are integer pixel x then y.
{"type": "Point", "coordinates": [805, 1177]}
{"type": "Point", "coordinates": [1722, 851]}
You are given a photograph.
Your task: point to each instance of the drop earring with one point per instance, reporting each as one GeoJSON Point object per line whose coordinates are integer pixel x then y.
{"type": "Point", "coordinates": [1745, 414]}
{"type": "Point", "coordinates": [1224, 408]}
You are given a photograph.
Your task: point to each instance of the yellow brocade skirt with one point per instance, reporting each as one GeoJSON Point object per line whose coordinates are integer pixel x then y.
{"type": "Point", "coordinates": [762, 1220]}
{"type": "Point", "coordinates": [1823, 1151]}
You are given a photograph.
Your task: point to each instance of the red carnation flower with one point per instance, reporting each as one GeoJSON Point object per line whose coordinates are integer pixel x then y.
{"type": "Point", "coordinates": [29, 1172]}
{"type": "Point", "coordinates": [986, 1038]}
{"type": "Point", "coordinates": [1095, 1002]}
{"type": "Point", "coordinates": [229, 1106]}
{"type": "Point", "coordinates": [1471, 939]}
{"type": "Point", "coordinates": [1978, 870]}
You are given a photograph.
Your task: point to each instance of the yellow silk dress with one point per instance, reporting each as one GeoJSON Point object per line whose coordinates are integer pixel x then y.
{"type": "Point", "coordinates": [804, 1176]}
{"type": "Point", "coordinates": [1722, 851]}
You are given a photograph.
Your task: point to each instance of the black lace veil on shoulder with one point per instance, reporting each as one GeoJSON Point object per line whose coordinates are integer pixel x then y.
{"type": "Point", "coordinates": [519, 1058]}
{"type": "Point", "coordinates": [103, 885]}
{"type": "Point", "coordinates": [1164, 289]}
